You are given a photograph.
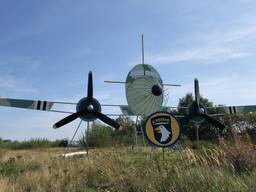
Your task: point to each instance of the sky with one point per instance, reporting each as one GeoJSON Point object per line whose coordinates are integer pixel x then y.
{"type": "Point", "coordinates": [48, 47]}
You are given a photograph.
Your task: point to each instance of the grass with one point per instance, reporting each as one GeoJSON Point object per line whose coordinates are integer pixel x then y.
{"type": "Point", "coordinates": [211, 168]}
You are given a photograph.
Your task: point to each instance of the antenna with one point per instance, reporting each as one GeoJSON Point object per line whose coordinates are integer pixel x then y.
{"type": "Point", "coordinates": [142, 52]}
{"type": "Point", "coordinates": [142, 48]}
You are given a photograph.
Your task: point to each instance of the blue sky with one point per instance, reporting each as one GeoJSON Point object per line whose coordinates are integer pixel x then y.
{"type": "Point", "coordinates": [48, 47]}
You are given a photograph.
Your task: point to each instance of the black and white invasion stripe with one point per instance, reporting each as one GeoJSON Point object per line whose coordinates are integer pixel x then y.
{"type": "Point", "coordinates": [41, 105]}
{"type": "Point", "coordinates": [232, 110]}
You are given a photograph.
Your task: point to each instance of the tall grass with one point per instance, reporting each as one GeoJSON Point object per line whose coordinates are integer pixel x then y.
{"type": "Point", "coordinates": [211, 168]}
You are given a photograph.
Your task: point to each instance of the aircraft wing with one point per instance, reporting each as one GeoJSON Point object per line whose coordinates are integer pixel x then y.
{"type": "Point", "coordinates": [32, 104]}
{"type": "Point", "coordinates": [227, 109]}
{"type": "Point", "coordinates": [240, 109]}
{"type": "Point", "coordinates": [236, 109]}
{"type": "Point", "coordinates": [164, 84]}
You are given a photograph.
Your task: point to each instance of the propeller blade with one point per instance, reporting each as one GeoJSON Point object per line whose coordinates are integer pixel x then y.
{"type": "Point", "coordinates": [213, 121]}
{"type": "Point", "coordinates": [197, 94]}
{"type": "Point", "coordinates": [90, 87]}
{"type": "Point", "coordinates": [66, 120]}
{"type": "Point", "coordinates": [106, 119]}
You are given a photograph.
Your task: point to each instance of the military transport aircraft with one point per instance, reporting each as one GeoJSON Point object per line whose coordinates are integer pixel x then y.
{"type": "Point", "coordinates": [144, 93]}
{"type": "Point", "coordinates": [145, 96]}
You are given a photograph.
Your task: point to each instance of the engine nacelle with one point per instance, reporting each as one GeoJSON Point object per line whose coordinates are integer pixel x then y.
{"type": "Point", "coordinates": [193, 110]}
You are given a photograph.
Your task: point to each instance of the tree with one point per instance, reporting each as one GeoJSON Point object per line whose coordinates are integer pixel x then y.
{"type": "Point", "coordinates": [127, 124]}
{"type": "Point", "coordinates": [126, 135]}
{"type": "Point", "coordinates": [101, 135]}
{"type": "Point", "coordinates": [98, 135]}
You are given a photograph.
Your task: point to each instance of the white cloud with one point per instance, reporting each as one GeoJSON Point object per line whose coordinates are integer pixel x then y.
{"type": "Point", "coordinates": [212, 46]}
{"type": "Point", "coordinates": [3, 63]}
{"type": "Point", "coordinates": [247, 1]}
{"type": "Point", "coordinates": [13, 84]}
{"type": "Point", "coordinates": [209, 54]}
{"type": "Point", "coordinates": [230, 90]}
{"type": "Point", "coordinates": [245, 31]}
{"type": "Point", "coordinates": [28, 62]}
{"type": "Point", "coordinates": [34, 124]}
{"type": "Point", "coordinates": [227, 90]}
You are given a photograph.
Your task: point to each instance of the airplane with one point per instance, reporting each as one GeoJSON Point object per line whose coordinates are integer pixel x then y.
{"type": "Point", "coordinates": [144, 93]}
{"type": "Point", "coordinates": [144, 83]}
{"type": "Point", "coordinates": [195, 111]}
{"type": "Point", "coordinates": [89, 109]}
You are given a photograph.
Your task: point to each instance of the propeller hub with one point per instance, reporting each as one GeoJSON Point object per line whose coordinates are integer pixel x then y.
{"type": "Point", "coordinates": [90, 107]}
{"type": "Point", "coordinates": [193, 110]}
{"type": "Point", "coordinates": [156, 90]}
{"type": "Point", "coordinates": [86, 104]}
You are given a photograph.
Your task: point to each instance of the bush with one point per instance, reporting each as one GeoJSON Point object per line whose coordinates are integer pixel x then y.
{"type": "Point", "coordinates": [242, 158]}
{"type": "Point", "coordinates": [29, 144]}
{"type": "Point", "coordinates": [100, 135]}
{"type": "Point", "coordinates": [97, 136]}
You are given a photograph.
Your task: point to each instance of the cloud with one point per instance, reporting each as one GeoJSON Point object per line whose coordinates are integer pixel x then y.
{"type": "Point", "coordinates": [209, 54]}
{"type": "Point", "coordinates": [212, 46]}
{"type": "Point", "coordinates": [10, 70]}
{"type": "Point", "coordinates": [245, 30]}
{"type": "Point", "coordinates": [227, 90]}
{"type": "Point", "coordinates": [11, 83]}
{"type": "Point", "coordinates": [247, 1]}
{"type": "Point", "coordinates": [34, 124]}
{"type": "Point", "coordinates": [29, 63]}
{"type": "Point", "coordinates": [3, 63]}
{"type": "Point", "coordinates": [230, 90]}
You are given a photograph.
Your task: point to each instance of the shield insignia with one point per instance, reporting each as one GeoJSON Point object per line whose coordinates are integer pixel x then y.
{"type": "Point", "coordinates": [162, 129]}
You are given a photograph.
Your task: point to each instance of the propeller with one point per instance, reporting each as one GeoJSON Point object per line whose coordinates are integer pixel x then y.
{"type": "Point", "coordinates": [197, 112]}
{"type": "Point", "coordinates": [90, 87]}
{"type": "Point", "coordinates": [88, 109]}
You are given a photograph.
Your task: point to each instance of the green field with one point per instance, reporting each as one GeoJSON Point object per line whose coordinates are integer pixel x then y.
{"type": "Point", "coordinates": [219, 167]}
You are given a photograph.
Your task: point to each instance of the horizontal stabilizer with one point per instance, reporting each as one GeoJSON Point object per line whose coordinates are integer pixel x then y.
{"type": "Point", "coordinates": [123, 82]}
{"type": "Point", "coordinates": [171, 85]}
{"type": "Point", "coordinates": [118, 82]}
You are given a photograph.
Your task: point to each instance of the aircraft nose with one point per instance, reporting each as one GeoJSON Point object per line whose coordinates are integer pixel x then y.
{"type": "Point", "coordinates": [156, 90]}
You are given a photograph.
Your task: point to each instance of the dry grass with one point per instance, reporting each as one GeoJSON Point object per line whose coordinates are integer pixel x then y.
{"type": "Point", "coordinates": [120, 169]}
